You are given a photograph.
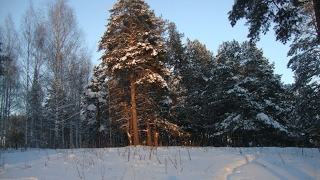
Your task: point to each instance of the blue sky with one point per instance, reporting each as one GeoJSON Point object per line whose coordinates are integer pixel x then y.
{"type": "Point", "coordinates": [205, 20]}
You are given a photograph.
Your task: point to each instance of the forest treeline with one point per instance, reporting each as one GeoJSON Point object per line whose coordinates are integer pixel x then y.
{"type": "Point", "coordinates": [150, 87]}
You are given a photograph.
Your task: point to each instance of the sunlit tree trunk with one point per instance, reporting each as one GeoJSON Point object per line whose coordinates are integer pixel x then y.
{"type": "Point", "coordinates": [134, 110]}
{"type": "Point", "coordinates": [149, 138]}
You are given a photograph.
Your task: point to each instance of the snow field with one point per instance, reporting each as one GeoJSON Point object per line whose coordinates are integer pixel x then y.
{"type": "Point", "coordinates": [169, 163]}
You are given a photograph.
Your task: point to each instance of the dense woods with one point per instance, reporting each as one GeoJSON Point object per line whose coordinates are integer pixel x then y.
{"type": "Point", "coordinates": [152, 88]}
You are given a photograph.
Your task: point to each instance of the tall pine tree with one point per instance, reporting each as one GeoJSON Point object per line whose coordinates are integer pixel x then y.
{"type": "Point", "coordinates": [133, 58]}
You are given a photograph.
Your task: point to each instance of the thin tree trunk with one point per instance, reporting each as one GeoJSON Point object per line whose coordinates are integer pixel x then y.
{"type": "Point", "coordinates": [99, 125]}
{"type": "Point", "coordinates": [133, 94]}
{"type": "Point", "coordinates": [148, 132]}
{"type": "Point", "coordinates": [77, 136]}
{"type": "Point", "coordinates": [56, 128]}
{"type": "Point", "coordinates": [27, 95]}
{"type": "Point", "coordinates": [109, 115]}
{"type": "Point", "coordinates": [71, 136]}
{"type": "Point", "coordinates": [62, 136]}
{"type": "Point", "coordinates": [26, 134]}
{"type": "Point", "coordinates": [134, 111]}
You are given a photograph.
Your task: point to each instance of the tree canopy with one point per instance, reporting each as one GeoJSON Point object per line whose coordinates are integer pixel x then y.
{"type": "Point", "coordinates": [282, 14]}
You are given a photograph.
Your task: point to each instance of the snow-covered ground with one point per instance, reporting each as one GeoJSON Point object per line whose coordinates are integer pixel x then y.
{"type": "Point", "coordinates": [168, 163]}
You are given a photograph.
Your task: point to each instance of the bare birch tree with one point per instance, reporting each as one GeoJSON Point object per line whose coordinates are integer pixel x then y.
{"type": "Point", "coordinates": [68, 62]}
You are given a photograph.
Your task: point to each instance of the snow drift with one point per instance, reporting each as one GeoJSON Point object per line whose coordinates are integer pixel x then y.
{"type": "Point", "coordinates": [171, 163]}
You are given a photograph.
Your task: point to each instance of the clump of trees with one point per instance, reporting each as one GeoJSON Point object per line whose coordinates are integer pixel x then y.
{"type": "Point", "coordinates": [296, 22]}
{"type": "Point", "coordinates": [45, 70]}
{"type": "Point", "coordinates": [233, 98]}
{"type": "Point", "coordinates": [151, 88]}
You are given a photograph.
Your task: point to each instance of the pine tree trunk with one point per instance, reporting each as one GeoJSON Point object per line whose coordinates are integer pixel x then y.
{"type": "Point", "coordinates": [129, 124]}
{"type": "Point", "coordinates": [134, 111]}
{"type": "Point", "coordinates": [148, 132]}
{"type": "Point", "coordinates": [156, 138]}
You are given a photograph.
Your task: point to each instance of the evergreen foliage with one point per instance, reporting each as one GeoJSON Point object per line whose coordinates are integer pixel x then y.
{"type": "Point", "coordinates": [251, 102]}
{"type": "Point", "coordinates": [260, 15]}
{"type": "Point", "coordinates": [304, 62]}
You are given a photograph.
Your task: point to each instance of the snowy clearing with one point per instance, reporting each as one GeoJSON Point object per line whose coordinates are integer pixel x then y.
{"type": "Point", "coordinates": [170, 163]}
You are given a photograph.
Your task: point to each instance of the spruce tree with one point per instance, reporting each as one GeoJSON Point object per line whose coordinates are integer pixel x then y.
{"type": "Point", "coordinates": [95, 109]}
